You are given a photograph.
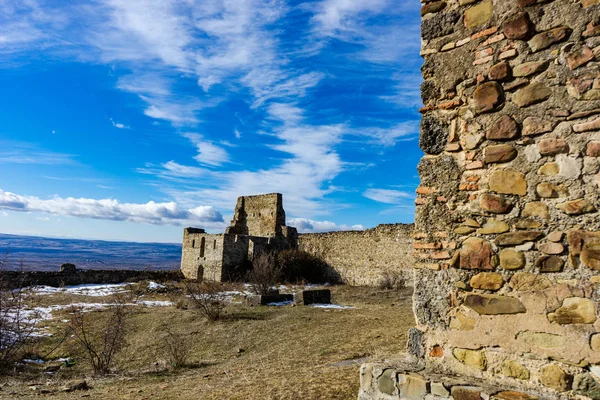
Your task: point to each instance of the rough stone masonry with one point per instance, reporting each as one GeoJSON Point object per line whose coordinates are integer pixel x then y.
{"type": "Point", "coordinates": [507, 231]}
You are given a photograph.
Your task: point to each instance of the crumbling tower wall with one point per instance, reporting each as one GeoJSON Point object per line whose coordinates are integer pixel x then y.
{"type": "Point", "coordinates": [507, 228]}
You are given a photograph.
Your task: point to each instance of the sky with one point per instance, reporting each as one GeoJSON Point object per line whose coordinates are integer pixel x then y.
{"type": "Point", "coordinates": [131, 119]}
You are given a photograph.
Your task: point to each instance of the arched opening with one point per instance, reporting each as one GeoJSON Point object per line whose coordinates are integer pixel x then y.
{"type": "Point", "coordinates": [202, 245]}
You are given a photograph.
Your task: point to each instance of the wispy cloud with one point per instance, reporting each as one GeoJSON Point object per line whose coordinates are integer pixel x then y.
{"type": "Point", "coordinates": [109, 209]}
{"type": "Point", "coordinates": [388, 196]}
{"type": "Point", "coordinates": [16, 152]}
{"type": "Point", "coordinates": [119, 125]}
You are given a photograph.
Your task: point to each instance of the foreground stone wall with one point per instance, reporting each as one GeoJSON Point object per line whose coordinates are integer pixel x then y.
{"type": "Point", "coordinates": [507, 223]}
{"type": "Point", "coordinates": [362, 257]}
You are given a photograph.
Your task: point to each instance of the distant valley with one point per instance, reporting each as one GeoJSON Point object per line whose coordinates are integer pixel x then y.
{"type": "Point", "coordinates": [47, 254]}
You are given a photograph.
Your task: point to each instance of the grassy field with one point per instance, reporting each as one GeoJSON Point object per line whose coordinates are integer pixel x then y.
{"type": "Point", "coordinates": [291, 352]}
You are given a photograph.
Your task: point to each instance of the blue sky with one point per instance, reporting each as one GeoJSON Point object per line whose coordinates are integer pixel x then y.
{"type": "Point", "coordinates": [129, 119]}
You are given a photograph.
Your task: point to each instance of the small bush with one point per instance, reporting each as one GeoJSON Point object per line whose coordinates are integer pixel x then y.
{"type": "Point", "coordinates": [100, 342]}
{"type": "Point", "coordinates": [265, 273]}
{"type": "Point", "coordinates": [392, 280]}
{"type": "Point", "coordinates": [299, 266]}
{"type": "Point", "coordinates": [177, 347]}
{"type": "Point", "coordinates": [207, 298]}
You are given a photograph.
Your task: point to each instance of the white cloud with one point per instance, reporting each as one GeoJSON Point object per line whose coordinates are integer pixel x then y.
{"type": "Point", "coordinates": [388, 196]}
{"type": "Point", "coordinates": [118, 125]}
{"type": "Point", "coordinates": [208, 152]}
{"type": "Point", "coordinates": [110, 209]}
{"type": "Point", "coordinates": [305, 225]}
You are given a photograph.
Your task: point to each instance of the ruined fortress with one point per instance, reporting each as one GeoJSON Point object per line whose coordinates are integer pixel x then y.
{"type": "Point", "coordinates": [507, 232]}
{"type": "Point", "coordinates": [259, 225]}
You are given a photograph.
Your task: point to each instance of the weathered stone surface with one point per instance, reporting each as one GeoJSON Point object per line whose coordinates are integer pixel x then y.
{"type": "Point", "coordinates": [542, 340]}
{"type": "Point", "coordinates": [528, 224]}
{"type": "Point", "coordinates": [590, 255]}
{"type": "Point", "coordinates": [461, 322]}
{"type": "Point", "coordinates": [492, 227]}
{"type": "Point", "coordinates": [508, 181]}
{"type": "Point", "coordinates": [595, 342]}
{"type": "Point", "coordinates": [576, 207]}
{"type": "Point", "coordinates": [512, 259]}
{"type": "Point", "coordinates": [479, 15]}
{"type": "Point", "coordinates": [531, 94]}
{"type": "Point", "coordinates": [499, 154]}
{"type": "Point", "coordinates": [466, 393]}
{"type": "Point", "coordinates": [551, 248]}
{"type": "Point", "coordinates": [434, 135]}
{"type": "Point", "coordinates": [554, 377]}
{"type": "Point", "coordinates": [476, 253]}
{"type": "Point", "coordinates": [528, 282]}
{"type": "Point", "coordinates": [517, 27]}
{"type": "Point", "coordinates": [499, 72]}
{"type": "Point", "coordinates": [472, 358]}
{"type": "Point", "coordinates": [588, 386]}
{"type": "Point", "coordinates": [550, 147]}
{"type": "Point", "coordinates": [593, 149]}
{"type": "Point", "coordinates": [504, 128]}
{"type": "Point", "coordinates": [549, 169]}
{"type": "Point", "coordinates": [387, 382]}
{"type": "Point", "coordinates": [487, 281]}
{"type": "Point", "coordinates": [580, 57]}
{"type": "Point", "coordinates": [438, 389]}
{"type": "Point", "coordinates": [441, 24]}
{"type": "Point", "coordinates": [434, 7]}
{"type": "Point", "coordinates": [556, 236]}
{"type": "Point", "coordinates": [530, 68]}
{"type": "Point", "coordinates": [514, 369]}
{"type": "Point", "coordinates": [575, 310]}
{"type": "Point", "coordinates": [487, 304]}
{"type": "Point", "coordinates": [412, 386]}
{"type": "Point", "coordinates": [517, 238]}
{"type": "Point", "coordinates": [488, 97]}
{"type": "Point", "coordinates": [550, 263]}
{"type": "Point", "coordinates": [512, 395]}
{"type": "Point", "coordinates": [593, 125]}
{"type": "Point", "coordinates": [548, 38]}
{"type": "Point", "coordinates": [548, 190]}
{"type": "Point", "coordinates": [464, 230]}
{"type": "Point", "coordinates": [321, 296]}
{"type": "Point", "coordinates": [536, 209]}
{"type": "Point", "coordinates": [536, 126]}
{"type": "Point", "coordinates": [494, 203]}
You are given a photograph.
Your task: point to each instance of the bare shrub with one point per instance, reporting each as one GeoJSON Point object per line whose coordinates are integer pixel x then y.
{"type": "Point", "coordinates": [265, 273]}
{"type": "Point", "coordinates": [17, 325]}
{"type": "Point", "coordinates": [300, 266]}
{"type": "Point", "coordinates": [392, 280]}
{"type": "Point", "coordinates": [100, 341]}
{"type": "Point", "coordinates": [207, 298]}
{"type": "Point", "coordinates": [177, 347]}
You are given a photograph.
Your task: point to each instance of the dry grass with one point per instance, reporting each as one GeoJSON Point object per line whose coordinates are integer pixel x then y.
{"type": "Point", "coordinates": [253, 353]}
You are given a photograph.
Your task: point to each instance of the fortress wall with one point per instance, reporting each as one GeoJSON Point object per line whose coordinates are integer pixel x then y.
{"type": "Point", "coordinates": [507, 225]}
{"type": "Point", "coordinates": [360, 257]}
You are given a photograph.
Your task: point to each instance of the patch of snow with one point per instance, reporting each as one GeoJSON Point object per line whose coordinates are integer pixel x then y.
{"type": "Point", "coordinates": [28, 361]}
{"type": "Point", "coordinates": [154, 303]}
{"type": "Point", "coordinates": [332, 306]}
{"type": "Point", "coordinates": [155, 286]}
{"type": "Point", "coordinates": [93, 290]}
{"type": "Point", "coordinates": [281, 303]}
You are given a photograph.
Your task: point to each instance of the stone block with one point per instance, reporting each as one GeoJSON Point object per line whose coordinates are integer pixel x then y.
{"type": "Point", "coordinates": [263, 300]}
{"type": "Point", "coordinates": [479, 14]}
{"type": "Point", "coordinates": [488, 96]}
{"type": "Point", "coordinates": [513, 395]}
{"type": "Point", "coordinates": [504, 128]}
{"type": "Point", "coordinates": [476, 253]}
{"type": "Point", "coordinates": [499, 154]}
{"type": "Point", "coordinates": [487, 304]}
{"type": "Point", "coordinates": [386, 383]}
{"type": "Point", "coordinates": [595, 342]}
{"type": "Point", "coordinates": [412, 387]}
{"type": "Point", "coordinates": [590, 255]}
{"type": "Point", "coordinates": [499, 72]}
{"type": "Point", "coordinates": [517, 27]}
{"type": "Point", "coordinates": [574, 310]}
{"type": "Point", "coordinates": [322, 296]}
{"type": "Point", "coordinates": [438, 389]}
{"type": "Point", "coordinates": [576, 207]}
{"type": "Point", "coordinates": [542, 340]}
{"type": "Point", "coordinates": [517, 238]}
{"type": "Point", "coordinates": [493, 227]}
{"type": "Point", "coordinates": [514, 369]}
{"type": "Point", "coordinates": [528, 282]}
{"type": "Point", "coordinates": [550, 263]}
{"type": "Point", "coordinates": [554, 377]}
{"type": "Point", "coordinates": [532, 94]}
{"type": "Point", "coordinates": [508, 181]}
{"type": "Point", "coordinates": [511, 259]}
{"type": "Point", "coordinates": [494, 203]}
{"type": "Point", "coordinates": [551, 147]}
{"type": "Point", "coordinates": [586, 385]}
{"type": "Point", "coordinates": [434, 7]}
{"type": "Point", "coordinates": [546, 39]}
{"type": "Point", "coordinates": [472, 358]}
{"type": "Point", "coordinates": [466, 393]}
{"type": "Point", "coordinates": [537, 209]}
{"type": "Point", "coordinates": [487, 281]}
{"type": "Point", "coordinates": [530, 68]}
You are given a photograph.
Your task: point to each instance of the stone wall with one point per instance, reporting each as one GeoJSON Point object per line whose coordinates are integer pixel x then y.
{"type": "Point", "coordinates": [507, 228]}
{"type": "Point", "coordinates": [361, 257]}
{"type": "Point", "coordinates": [260, 215]}
{"type": "Point", "coordinates": [14, 279]}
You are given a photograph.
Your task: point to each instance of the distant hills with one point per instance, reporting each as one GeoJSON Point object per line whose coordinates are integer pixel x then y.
{"type": "Point", "coordinates": [47, 254]}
